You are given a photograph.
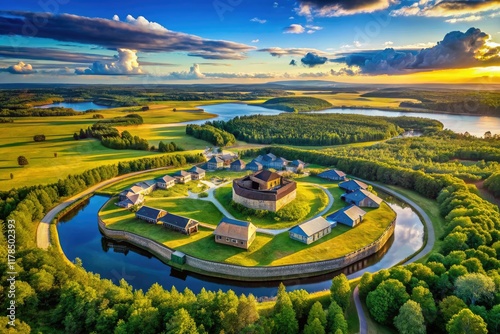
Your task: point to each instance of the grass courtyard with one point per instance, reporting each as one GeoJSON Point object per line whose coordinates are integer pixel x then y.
{"type": "Point", "coordinates": [266, 250]}
{"type": "Point", "coordinates": [313, 196]}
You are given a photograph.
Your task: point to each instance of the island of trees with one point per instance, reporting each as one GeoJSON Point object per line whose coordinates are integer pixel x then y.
{"type": "Point", "coordinates": [297, 104]}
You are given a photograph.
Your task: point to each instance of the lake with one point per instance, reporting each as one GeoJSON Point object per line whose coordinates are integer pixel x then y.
{"type": "Point", "coordinates": [80, 237]}
{"type": "Point", "coordinates": [76, 106]}
{"type": "Point", "coordinates": [475, 125]}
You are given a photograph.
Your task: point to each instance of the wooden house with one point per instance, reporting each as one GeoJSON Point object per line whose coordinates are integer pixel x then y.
{"type": "Point", "coordinates": [197, 173]}
{"type": "Point", "coordinates": [352, 185]}
{"type": "Point", "coordinates": [311, 230]}
{"type": "Point", "coordinates": [333, 175]}
{"type": "Point", "coordinates": [149, 214]}
{"type": "Point", "coordinates": [180, 224]}
{"type": "Point", "coordinates": [235, 233]}
{"type": "Point", "coordinates": [254, 166]}
{"type": "Point", "coordinates": [215, 163]}
{"type": "Point", "coordinates": [350, 215]}
{"type": "Point", "coordinates": [182, 176]}
{"type": "Point", "coordinates": [238, 165]}
{"type": "Point", "coordinates": [165, 182]}
{"type": "Point", "coordinates": [362, 198]}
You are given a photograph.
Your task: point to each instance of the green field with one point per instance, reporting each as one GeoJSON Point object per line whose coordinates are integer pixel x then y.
{"type": "Point", "coordinates": [202, 211]}
{"type": "Point", "coordinates": [306, 193]}
{"type": "Point", "coordinates": [264, 251]}
{"type": "Point", "coordinates": [75, 156]}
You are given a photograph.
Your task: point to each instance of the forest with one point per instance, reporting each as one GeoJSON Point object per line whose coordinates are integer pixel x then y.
{"type": "Point", "coordinates": [457, 289]}
{"type": "Point", "coordinates": [213, 135]}
{"type": "Point", "coordinates": [320, 129]}
{"type": "Point", "coordinates": [297, 104]}
{"type": "Point", "coordinates": [474, 102]}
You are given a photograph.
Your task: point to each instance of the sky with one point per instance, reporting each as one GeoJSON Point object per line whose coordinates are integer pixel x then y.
{"type": "Point", "coordinates": [224, 41]}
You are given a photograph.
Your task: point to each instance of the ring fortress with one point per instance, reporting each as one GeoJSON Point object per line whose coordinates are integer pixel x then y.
{"type": "Point", "coordinates": [264, 190]}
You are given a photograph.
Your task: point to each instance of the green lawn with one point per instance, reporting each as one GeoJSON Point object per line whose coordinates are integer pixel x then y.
{"type": "Point", "coordinates": [331, 186]}
{"type": "Point", "coordinates": [202, 211]}
{"type": "Point", "coordinates": [313, 196]}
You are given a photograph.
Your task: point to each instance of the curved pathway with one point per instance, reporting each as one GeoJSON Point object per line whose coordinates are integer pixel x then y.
{"type": "Point", "coordinates": [269, 231]}
{"type": "Point", "coordinates": [42, 233]}
{"type": "Point", "coordinates": [431, 238]}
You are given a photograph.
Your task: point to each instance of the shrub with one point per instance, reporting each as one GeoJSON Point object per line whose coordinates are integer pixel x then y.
{"type": "Point", "coordinates": [39, 137]}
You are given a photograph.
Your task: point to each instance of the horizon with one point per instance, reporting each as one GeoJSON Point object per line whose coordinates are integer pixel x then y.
{"type": "Point", "coordinates": [370, 42]}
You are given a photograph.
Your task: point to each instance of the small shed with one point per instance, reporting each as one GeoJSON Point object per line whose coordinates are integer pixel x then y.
{"type": "Point", "coordinates": [178, 257]}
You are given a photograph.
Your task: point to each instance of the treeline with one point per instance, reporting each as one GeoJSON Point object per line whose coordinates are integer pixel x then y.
{"type": "Point", "coordinates": [38, 112]}
{"type": "Point", "coordinates": [297, 104]}
{"type": "Point", "coordinates": [476, 102]}
{"type": "Point", "coordinates": [320, 129]}
{"type": "Point", "coordinates": [211, 134]}
{"type": "Point", "coordinates": [131, 119]}
{"type": "Point", "coordinates": [492, 183]}
{"type": "Point", "coordinates": [126, 142]}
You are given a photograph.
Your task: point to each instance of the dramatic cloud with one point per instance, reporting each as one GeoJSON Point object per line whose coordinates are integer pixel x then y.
{"type": "Point", "coordinates": [133, 34]}
{"type": "Point", "coordinates": [256, 19]}
{"type": "Point", "coordinates": [293, 62]}
{"type": "Point", "coordinates": [19, 68]}
{"type": "Point", "coordinates": [294, 29]}
{"type": "Point", "coordinates": [50, 54]}
{"type": "Point", "coordinates": [278, 52]}
{"type": "Point", "coordinates": [312, 59]}
{"type": "Point", "coordinates": [447, 8]}
{"type": "Point", "coordinates": [457, 50]}
{"type": "Point", "coordinates": [329, 8]}
{"type": "Point", "coordinates": [125, 64]}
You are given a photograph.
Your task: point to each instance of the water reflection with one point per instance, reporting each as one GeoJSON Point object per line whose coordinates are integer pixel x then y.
{"type": "Point", "coordinates": [80, 237]}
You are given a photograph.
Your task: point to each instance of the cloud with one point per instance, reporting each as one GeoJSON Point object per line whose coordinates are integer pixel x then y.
{"type": "Point", "coordinates": [388, 43]}
{"type": "Point", "coordinates": [256, 19]}
{"type": "Point", "coordinates": [278, 52]}
{"type": "Point", "coordinates": [291, 18]}
{"type": "Point", "coordinates": [345, 72]}
{"type": "Point", "coordinates": [133, 34]}
{"type": "Point", "coordinates": [457, 50]}
{"type": "Point", "coordinates": [125, 64]}
{"type": "Point", "coordinates": [312, 29]}
{"type": "Point", "coordinates": [329, 8]}
{"type": "Point", "coordinates": [194, 73]}
{"type": "Point", "coordinates": [293, 62]}
{"type": "Point", "coordinates": [255, 40]}
{"type": "Point", "coordinates": [19, 68]}
{"type": "Point", "coordinates": [464, 19]}
{"type": "Point", "coordinates": [294, 29]}
{"type": "Point", "coordinates": [312, 59]}
{"type": "Point", "coordinates": [275, 4]}
{"type": "Point", "coordinates": [50, 54]}
{"type": "Point", "coordinates": [447, 8]}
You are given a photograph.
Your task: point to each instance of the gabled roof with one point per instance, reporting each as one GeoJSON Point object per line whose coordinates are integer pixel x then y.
{"type": "Point", "coordinates": [196, 170]}
{"type": "Point", "coordinates": [266, 175]}
{"type": "Point", "coordinates": [179, 221]}
{"type": "Point", "coordinates": [238, 162]}
{"type": "Point", "coordinates": [254, 163]}
{"type": "Point", "coordinates": [126, 193]}
{"type": "Point", "coordinates": [165, 179]}
{"type": "Point", "coordinates": [361, 194]}
{"type": "Point", "coordinates": [259, 158]}
{"type": "Point", "coordinates": [228, 156]}
{"type": "Point", "coordinates": [136, 189]}
{"type": "Point", "coordinates": [281, 159]}
{"type": "Point", "coordinates": [311, 227]}
{"type": "Point", "coordinates": [237, 229]}
{"type": "Point", "coordinates": [332, 173]}
{"type": "Point", "coordinates": [352, 185]}
{"type": "Point", "coordinates": [181, 173]}
{"type": "Point", "coordinates": [135, 198]}
{"type": "Point", "coordinates": [149, 212]}
{"type": "Point", "coordinates": [269, 157]}
{"type": "Point", "coordinates": [296, 163]}
{"type": "Point", "coordinates": [351, 213]}
{"type": "Point", "coordinates": [215, 159]}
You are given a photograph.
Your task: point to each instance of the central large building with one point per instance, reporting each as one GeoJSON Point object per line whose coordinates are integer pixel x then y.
{"type": "Point", "coordinates": [264, 190]}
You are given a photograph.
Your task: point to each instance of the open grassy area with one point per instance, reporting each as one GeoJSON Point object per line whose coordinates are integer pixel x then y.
{"type": "Point", "coordinates": [203, 211]}
{"type": "Point", "coordinates": [306, 193]}
{"type": "Point", "coordinates": [331, 186]}
{"type": "Point", "coordinates": [75, 156]}
{"type": "Point", "coordinates": [264, 251]}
